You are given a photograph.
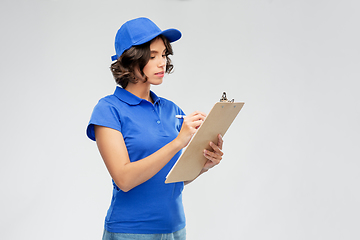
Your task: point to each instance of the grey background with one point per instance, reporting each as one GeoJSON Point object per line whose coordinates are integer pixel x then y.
{"type": "Point", "coordinates": [291, 163]}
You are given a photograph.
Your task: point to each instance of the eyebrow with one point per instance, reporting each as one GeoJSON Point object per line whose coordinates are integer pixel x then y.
{"type": "Point", "coordinates": [154, 51]}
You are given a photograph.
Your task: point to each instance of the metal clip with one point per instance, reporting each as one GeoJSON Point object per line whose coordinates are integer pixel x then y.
{"type": "Point", "coordinates": [224, 98]}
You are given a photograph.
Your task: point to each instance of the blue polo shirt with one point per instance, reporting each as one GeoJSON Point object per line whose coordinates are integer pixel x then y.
{"type": "Point", "coordinates": [153, 206]}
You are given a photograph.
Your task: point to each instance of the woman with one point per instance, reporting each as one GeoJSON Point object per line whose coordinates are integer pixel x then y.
{"type": "Point", "coordinates": [140, 139]}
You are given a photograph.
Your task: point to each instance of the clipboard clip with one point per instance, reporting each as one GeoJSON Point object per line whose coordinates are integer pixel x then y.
{"type": "Point", "coordinates": [224, 98]}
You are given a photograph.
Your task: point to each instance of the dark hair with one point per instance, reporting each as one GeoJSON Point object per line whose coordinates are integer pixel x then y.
{"type": "Point", "coordinates": [137, 57]}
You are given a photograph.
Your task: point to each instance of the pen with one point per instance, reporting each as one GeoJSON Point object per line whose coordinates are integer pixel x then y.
{"type": "Point", "coordinates": [180, 116]}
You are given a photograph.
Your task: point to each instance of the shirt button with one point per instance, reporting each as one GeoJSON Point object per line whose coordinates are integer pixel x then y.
{"type": "Point", "coordinates": [158, 122]}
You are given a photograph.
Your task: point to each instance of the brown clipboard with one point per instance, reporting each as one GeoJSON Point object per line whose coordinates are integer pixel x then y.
{"type": "Point", "coordinates": [192, 160]}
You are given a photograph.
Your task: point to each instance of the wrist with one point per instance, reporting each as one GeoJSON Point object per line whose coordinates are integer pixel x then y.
{"type": "Point", "coordinates": [178, 144]}
{"type": "Point", "coordinates": [204, 170]}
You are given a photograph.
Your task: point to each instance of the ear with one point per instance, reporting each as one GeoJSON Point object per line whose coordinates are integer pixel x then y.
{"type": "Point", "coordinates": [139, 75]}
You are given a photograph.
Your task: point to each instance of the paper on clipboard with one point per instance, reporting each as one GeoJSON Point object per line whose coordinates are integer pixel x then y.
{"type": "Point", "coordinates": [192, 160]}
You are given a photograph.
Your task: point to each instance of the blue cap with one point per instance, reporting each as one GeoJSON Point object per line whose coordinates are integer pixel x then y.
{"type": "Point", "coordinates": [139, 31]}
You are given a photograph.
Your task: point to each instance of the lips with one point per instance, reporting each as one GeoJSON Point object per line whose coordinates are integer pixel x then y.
{"type": "Point", "coordinates": [160, 74]}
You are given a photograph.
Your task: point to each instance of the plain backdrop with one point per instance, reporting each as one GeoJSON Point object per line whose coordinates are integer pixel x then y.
{"type": "Point", "coordinates": [291, 163]}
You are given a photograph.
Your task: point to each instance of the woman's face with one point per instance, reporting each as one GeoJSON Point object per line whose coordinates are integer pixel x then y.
{"type": "Point", "coordinates": [155, 68]}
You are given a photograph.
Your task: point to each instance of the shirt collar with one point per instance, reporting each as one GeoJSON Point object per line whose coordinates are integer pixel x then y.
{"type": "Point", "coordinates": [154, 97]}
{"type": "Point", "coordinates": [130, 98]}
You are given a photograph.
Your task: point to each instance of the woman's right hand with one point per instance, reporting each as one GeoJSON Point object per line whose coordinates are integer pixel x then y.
{"type": "Point", "coordinates": [190, 125]}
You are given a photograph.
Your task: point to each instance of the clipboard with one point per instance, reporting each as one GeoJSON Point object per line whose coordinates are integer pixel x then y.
{"type": "Point", "coordinates": [192, 160]}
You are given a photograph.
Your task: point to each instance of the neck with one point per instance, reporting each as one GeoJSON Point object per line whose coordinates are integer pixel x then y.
{"type": "Point", "coordinates": [140, 89]}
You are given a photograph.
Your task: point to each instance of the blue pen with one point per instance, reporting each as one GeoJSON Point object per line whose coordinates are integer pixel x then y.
{"type": "Point", "coordinates": [180, 116]}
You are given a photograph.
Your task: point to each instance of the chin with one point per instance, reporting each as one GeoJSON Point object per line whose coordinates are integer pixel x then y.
{"type": "Point", "coordinates": [158, 82]}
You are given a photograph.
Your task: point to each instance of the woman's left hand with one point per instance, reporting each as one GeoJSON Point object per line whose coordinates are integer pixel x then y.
{"type": "Point", "coordinates": [214, 157]}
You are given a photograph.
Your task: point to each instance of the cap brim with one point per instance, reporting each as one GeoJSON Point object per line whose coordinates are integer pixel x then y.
{"type": "Point", "coordinates": [171, 34]}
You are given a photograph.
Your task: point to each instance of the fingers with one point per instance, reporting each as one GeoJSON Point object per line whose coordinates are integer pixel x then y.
{"type": "Point", "coordinates": [194, 120]}
{"type": "Point", "coordinates": [214, 157]}
{"type": "Point", "coordinates": [216, 149]}
{"type": "Point", "coordinates": [220, 141]}
{"type": "Point", "coordinates": [189, 126]}
{"type": "Point", "coordinates": [197, 115]}
{"type": "Point", "coordinates": [193, 126]}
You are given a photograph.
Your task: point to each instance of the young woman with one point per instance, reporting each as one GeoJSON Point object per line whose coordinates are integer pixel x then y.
{"type": "Point", "coordinates": [140, 139]}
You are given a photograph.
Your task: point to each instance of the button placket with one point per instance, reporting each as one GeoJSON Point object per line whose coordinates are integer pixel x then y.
{"type": "Point", "coordinates": [157, 115]}
{"type": "Point", "coordinates": [157, 112]}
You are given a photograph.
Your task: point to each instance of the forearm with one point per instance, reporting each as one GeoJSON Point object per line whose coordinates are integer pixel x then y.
{"type": "Point", "coordinates": [135, 173]}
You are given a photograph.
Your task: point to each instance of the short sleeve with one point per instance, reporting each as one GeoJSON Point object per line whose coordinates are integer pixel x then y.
{"type": "Point", "coordinates": [104, 114]}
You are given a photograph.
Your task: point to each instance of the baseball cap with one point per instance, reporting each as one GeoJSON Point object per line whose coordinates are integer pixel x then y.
{"type": "Point", "coordinates": [139, 31]}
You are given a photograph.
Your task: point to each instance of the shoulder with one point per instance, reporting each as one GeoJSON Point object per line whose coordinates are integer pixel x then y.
{"type": "Point", "coordinates": [166, 101]}
{"type": "Point", "coordinates": [105, 113]}
{"type": "Point", "coordinates": [168, 104]}
{"type": "Point", "coordinates": [109, 100]}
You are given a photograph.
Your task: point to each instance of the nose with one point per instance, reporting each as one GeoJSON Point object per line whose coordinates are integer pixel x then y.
{"type": "Point", "coordinates": [162, 62]}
